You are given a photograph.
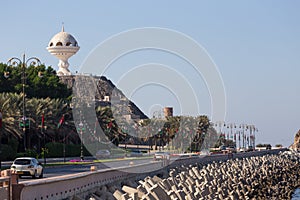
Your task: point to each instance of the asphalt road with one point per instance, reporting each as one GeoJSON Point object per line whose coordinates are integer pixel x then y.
{"type": "Point", "coordinates": [72, 169]}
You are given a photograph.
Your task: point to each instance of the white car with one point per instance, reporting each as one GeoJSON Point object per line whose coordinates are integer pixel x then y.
{"type": "Point", "coordinates": [161, 155]}
{"type": "Point", "coordinates": [27, 166]}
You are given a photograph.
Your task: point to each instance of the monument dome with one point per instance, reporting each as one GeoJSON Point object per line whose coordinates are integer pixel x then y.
{"type": "Point", "coordinates": [63, 45]}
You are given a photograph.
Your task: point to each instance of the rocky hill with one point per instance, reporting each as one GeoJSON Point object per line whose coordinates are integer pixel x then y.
{"type": "Point", "coordinates": [296, 145]}
{"type": "Point", "coordinates": [106, 92]}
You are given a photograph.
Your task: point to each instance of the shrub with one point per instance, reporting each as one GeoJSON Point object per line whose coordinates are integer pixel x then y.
{"type": "Point", "coordinates": [72, 150]}
{"type": "Point", "coordinates": [14, 144]}
{"type": "Point", "coordinates": [54, 149]}
{"type": "Point", "coordinates": [7, 152]}
{"type": "Point", "coordinates": [31, 153]}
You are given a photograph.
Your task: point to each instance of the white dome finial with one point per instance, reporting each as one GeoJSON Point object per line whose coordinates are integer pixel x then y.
{"type": "Point", "coordinates": [62, 28]}
{"type": "Point", "coordinates": [63, 45]}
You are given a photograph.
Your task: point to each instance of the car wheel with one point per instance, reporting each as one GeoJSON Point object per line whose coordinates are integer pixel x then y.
{"type": "Point", "coordinates": [35, 174]}
{"type": "Point", "coordinates": [42, 174]}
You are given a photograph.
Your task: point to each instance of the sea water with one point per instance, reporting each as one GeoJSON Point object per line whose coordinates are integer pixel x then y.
{"type": "Point", "coordinates": [296, 195]}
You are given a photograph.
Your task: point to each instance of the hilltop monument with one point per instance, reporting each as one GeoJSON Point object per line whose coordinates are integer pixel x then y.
{"type": "Point", "coordinates": [63, 45]}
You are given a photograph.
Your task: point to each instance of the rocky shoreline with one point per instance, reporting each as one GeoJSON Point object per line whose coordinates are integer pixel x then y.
{"type": "Point", "coordinates": [260, 177]}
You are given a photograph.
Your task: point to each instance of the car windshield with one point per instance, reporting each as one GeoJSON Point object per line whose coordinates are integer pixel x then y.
{"type": "Point", "coordinates": [161, 152]}
{"type": "Point", "coordinates": [22, 162]}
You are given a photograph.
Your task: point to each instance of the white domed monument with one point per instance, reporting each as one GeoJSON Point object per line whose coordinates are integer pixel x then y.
{"type": "Point", "coordinates": [63, 45]}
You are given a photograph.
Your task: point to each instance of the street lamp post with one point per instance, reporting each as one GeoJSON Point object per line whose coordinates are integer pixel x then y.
{"type": "Point", "coordinates": [124, 129]}
{"type": "Point", "coordinates": [243, 127]}
{"type": "Point", "coordinates": [239, 139]}
{"type": "Point", "coordinates": [254, 137]}
{"type": "Point", "coordinates": [252, 130]}
{"type": "Point", "coordinates": [33, 61]}
{"type": "Point", "coordinates": [231, 126]}
{"type": "Point", "coordinates": [81, 144]}
{"type": "Point", "coordinates": [149, 140]}
{"type": "Point", "coordinates": [137, 135]}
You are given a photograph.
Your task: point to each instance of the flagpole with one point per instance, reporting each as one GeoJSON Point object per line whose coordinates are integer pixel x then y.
{"type": "Point", "coordinates": [0, 135]}
{"type": "Point", "coordinates": [64, 144]}
{"type": "Point", "coordinates": [42, 131]}
{"type": "Point", "coordinates": [61, 121]}
{"type": "Point", "coordinates": [239, 139]}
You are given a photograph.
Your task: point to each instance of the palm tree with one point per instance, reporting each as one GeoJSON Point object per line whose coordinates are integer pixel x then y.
{"type": "Point", "coordinates": [156, 129]}
{"type": "Point", "coordinates": [185, 133]}
{"type": "Point", "coordinates": [10, 107]}
{"type": "Point", "coordinates": [52, 109]}
{"type": "Point", "coordinates": [174, 123]}
{"type": "Point", "coordinates": [202, 130]}
{"type": "Point", "coordinates": [108, 124]}
{"type": "Point", "coordinates": [190, 131]}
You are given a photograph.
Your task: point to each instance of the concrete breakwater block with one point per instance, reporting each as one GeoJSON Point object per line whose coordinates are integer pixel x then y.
{"type": "Point", "coordinates": [166, 184]}
{"type": "Point", "coordinates": [129, 190]}
{"type": "Point", "coordinates": [94, 197]}
{"type": "Point", "coordinates": [104, 192]}
{"type": "Point", "coordinates": [159, 193]}
{"type": "Point", "coordinates": [141, 191]}
{"type": "Point", "coordinates": [260, 177]}
{"type": "Point", "coordinates": [156, 179]}
{"type": "Point", "coordinates": [120, 195]}
{"type": "Point", "coordinates": [148, 196]}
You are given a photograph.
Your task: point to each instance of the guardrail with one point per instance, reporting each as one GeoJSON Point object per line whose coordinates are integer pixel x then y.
{"type": "Point", "coordinates": [67, 186]}
{"type": "Point", "coordinates": [71, 185]}
{"type": "Point", "coordinates": [4, 188]}
{"type": "Point", "coordinates": [5, 182]}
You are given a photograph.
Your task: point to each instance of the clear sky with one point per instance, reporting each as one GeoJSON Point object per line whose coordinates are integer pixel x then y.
{"type": "Point", "coordinates": [255, 45]}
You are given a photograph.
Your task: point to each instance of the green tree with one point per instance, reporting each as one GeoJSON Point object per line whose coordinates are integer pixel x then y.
{"type": "Point", "coordinates": [46, 85]}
